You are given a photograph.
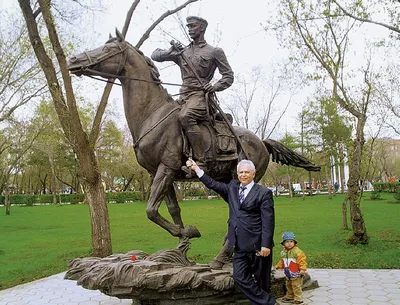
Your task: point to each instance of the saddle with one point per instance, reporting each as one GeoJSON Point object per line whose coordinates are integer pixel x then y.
{"type": "Point", "coordinates": [219, 142]}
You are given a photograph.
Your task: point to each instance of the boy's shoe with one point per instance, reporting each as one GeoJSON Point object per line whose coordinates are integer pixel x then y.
{"type": "Point", "coordinates": [297, 302]}
{"type": "Point", "coordinates": [286, 300]}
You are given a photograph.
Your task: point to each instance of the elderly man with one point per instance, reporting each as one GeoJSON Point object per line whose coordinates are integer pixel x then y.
{"type": "Point", "coordinates": [250, 231]}
{"type": "Point", "coordinates": [198, 62]}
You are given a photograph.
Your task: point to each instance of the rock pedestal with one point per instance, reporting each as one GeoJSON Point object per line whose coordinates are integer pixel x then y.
{"type": "Point", "coordinates": [164, 278]}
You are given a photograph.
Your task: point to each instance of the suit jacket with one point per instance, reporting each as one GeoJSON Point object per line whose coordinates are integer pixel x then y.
{"type": "Point", "coordinates": [251, 224]}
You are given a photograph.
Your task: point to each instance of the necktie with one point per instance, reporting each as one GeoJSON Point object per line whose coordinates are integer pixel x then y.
{"type": "Point", "coordinates": [241, 194]}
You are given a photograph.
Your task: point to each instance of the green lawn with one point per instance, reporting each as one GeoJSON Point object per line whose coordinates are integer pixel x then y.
{"type": "Point", "coordinates": [39, 241]}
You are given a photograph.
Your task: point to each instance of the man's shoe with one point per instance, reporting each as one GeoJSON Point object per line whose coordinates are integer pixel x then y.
{"type": "Point", "coordinates": [298, 302]}
{"type": "Point", "coordinates": [287, 300]}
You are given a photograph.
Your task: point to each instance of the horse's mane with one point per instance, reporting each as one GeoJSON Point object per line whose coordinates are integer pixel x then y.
{"type": "Point", "coordinates": [155, 74]}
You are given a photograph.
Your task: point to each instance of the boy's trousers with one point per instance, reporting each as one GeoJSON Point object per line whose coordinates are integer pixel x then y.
{"type": "Point", "coordinates": [294, 288]}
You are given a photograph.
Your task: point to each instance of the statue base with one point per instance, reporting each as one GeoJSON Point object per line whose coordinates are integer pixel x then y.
{"type": "Point", "coordinates": [164, 278]}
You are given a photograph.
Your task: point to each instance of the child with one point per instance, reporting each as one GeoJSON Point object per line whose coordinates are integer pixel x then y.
{"type": "Point", "coordinates": [294, 264]}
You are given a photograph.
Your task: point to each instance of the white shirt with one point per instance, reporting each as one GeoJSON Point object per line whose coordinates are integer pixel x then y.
{"type": "Point", "coordinates": [248, 188]}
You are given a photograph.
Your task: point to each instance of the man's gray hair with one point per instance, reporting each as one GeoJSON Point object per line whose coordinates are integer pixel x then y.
{"type": "Point", "coordinates": [246, 162]}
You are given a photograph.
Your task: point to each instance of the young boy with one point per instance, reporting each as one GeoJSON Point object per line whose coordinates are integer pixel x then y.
{"type": "Point", "coordinates": [294, 264]}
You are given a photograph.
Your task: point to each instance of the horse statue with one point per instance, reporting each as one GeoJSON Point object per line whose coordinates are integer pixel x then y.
{"type": "Point", "coordinates": [152, 117]}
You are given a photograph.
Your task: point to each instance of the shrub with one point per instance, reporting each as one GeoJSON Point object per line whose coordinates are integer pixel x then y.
{"type": "Point", "coordinates": [375, 195]}
{"type": "Point", "coordinates": [121, 197]}
{"type": "Point", "coordinates": [30, 199]}
{"type": "Point", "coordinates": [396, 195]}
{"type": "Point", "coordinates": [386, 186]}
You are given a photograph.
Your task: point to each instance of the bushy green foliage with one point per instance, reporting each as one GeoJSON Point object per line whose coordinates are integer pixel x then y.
{"type": "Point", "coordinates": [396, 195]}
{"type": "Point", "coordinates": [375, 195]}
{"type": "Point", "coordinates": [386, 186]}
{"type": "Point", "coordinates": [200, 193]}
{"type": "Point", "coordinates": [29, 199]}
{"type": "Point", "coordinates": [121, 197]}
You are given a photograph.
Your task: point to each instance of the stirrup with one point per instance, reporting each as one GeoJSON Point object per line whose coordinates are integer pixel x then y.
{"type": "Point", "coordinates": [187, 170]}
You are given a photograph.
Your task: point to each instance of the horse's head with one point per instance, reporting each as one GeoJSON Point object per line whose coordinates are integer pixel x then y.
{"type": "Point", "coordinates": [107, 61]}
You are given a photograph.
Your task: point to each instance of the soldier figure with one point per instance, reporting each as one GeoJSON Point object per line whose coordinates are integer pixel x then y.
{"type": "Point", "coordinates": [198, 62]}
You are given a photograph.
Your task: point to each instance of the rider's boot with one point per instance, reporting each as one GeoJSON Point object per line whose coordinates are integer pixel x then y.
{"type": "Point", "coordinates": [196, 142]}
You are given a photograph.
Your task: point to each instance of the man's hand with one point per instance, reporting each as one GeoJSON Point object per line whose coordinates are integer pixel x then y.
{"type": "Point", "coordinates": [265, 251]}
{"type": "Point", "coordinates": [191, 164]}
{"type": "Point", "coordinates": [208, 88]}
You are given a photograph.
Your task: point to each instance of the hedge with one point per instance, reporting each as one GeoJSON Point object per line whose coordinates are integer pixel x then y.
{"type": "Point", "coordinates": [29, 199]}
{"type": "Point", "coordinates": [390, 187]}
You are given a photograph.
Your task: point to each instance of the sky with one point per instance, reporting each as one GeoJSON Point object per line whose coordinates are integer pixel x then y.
{"type": "Point", "coordinates": [236, 27]}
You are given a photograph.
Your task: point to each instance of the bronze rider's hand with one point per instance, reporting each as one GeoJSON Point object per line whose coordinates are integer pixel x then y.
{"type": "Point", "coordinates": [208, 88]}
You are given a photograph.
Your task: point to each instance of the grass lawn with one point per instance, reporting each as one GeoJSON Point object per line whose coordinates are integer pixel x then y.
{"type": "Point", "coordinates": [39, 241]}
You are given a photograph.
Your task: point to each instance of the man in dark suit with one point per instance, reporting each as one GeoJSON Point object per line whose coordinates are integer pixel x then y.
{"type": "Point", "coordinates": [250, 230]}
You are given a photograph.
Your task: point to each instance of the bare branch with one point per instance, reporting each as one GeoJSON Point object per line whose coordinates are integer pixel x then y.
{"type": "Point", "coordinates": [347, 13]}
{"type": "Point", "coordinates": [129, 17]}
{"type": "Point", "coordinates": [146, 35]}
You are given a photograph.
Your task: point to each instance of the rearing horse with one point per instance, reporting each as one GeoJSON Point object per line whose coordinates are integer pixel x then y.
{"type": "Point", "coordinates": [152, 117]}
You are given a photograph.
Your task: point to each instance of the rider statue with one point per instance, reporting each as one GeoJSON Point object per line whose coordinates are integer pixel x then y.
{"type": "Point", "coordinates": [197, 62]}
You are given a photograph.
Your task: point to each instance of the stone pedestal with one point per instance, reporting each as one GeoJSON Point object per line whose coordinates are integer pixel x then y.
{"type": "Point", "coordinates": [164, 278]}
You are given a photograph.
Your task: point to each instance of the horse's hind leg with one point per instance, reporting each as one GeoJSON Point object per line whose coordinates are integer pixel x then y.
{"type": "Point", "coordinates": [159, 190]}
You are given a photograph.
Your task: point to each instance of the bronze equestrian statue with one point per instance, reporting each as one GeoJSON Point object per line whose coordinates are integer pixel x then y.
{"type": "Point", "coordinates": [160, 145]}
{"type": "Point", "coordinates": [197, 62]}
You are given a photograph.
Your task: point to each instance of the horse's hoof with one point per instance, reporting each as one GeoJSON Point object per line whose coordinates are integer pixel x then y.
{"type": "Point", "coordinates": [190, 232]}
{"type": "Point", "coordinates": [217, 265]}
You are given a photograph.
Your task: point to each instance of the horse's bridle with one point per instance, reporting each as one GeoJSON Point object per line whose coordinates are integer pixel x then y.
{"type": "Point", "coordinates": [121, 67]}
{"type": "Point", "coordinates": [104, 57]}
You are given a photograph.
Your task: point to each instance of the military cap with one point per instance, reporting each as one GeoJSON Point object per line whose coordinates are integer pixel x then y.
{"type": "Point", "coordinates": [192, 19]}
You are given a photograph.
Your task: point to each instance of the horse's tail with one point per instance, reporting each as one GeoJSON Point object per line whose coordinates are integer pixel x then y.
{"type": "Point", "coordinates": [284, 155]}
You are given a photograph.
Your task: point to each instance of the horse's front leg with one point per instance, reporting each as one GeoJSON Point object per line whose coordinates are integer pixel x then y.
{"type": "Point", "coordinates": [175, 212]}
{"type": "Point", "coordinates": [160, 189]}
{"type": "Point", "coordinates": [173, 206]}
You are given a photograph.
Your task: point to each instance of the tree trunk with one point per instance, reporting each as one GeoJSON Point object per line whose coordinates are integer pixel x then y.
{"type": "Point", "coordinates": [341, 168]}
{"type": "Point", "coordinates": [290, 186]}
{"type": "Point", "coordinates": [336, 169]}
{"type": "Point", "coordinates": [7, 202]}
{"type": "Point", "coordinates": [353, 193]}
{"type": "Point", "coordinates": [344, 214]}
{"type": "Point", "coordinates": [53, 180]}
{"type": "Point", "coordinates": [128, 183]}
{"type": "Point", "coordinates": [309, 179]}
{"type": "Point", "coordinates": [101, 236]}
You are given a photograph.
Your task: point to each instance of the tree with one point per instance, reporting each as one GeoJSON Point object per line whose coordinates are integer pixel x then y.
{"type": "Point", "coordinates": [322, 38]}
{"type": "Point", "coordinates": [15, 141]}
{"type": "Point", "coordinates": [82, 142]}
{"type": "Point", "coordinates": [382, 14]}
{"type": "Point", "coordinates": [20, 75]}
{"type": "Point", "coordinates": [257, 94]}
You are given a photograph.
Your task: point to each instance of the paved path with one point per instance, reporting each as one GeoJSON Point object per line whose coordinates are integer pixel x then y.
{"type": "Point", "coordinates": [337, 287]}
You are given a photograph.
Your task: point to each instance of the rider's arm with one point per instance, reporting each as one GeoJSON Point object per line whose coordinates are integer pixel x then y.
{"type": "Point", "coordinates": [161, 55]}
{"type": "Point", "coordinates": [224, 69]}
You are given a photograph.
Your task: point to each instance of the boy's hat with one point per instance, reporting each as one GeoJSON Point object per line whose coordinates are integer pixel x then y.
{"type": "Point", "coordinates": [287, 236]}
